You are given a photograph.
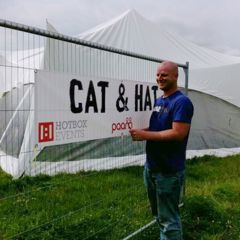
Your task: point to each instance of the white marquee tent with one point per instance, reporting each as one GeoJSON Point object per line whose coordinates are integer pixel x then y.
{"type": "Point", "coordinates": [213, 87]}
{"type": "Point", "coordinates": [133, 33]}
{"type": "Point", "coordinates": [213, 77]}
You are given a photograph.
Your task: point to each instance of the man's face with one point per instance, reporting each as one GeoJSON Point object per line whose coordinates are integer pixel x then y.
{"type": "Point", "coordinates": [166, 77]}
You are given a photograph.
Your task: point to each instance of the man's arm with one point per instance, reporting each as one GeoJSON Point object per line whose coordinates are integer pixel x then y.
{"type": "Point", "coordinates": [178, 132]}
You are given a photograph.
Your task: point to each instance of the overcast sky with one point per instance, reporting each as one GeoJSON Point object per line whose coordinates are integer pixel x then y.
{"type": "Point", "coordinates": [211, 23]}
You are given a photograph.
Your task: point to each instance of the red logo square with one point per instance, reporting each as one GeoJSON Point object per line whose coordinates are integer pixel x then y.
{"type": "Point", "coordinates": [45, 131]}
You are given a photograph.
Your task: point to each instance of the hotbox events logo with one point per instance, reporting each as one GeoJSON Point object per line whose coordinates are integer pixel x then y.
{"type": "Point", "coordinates": [61, 130]}
{"type": "Point", "coordinates": [45, 132]}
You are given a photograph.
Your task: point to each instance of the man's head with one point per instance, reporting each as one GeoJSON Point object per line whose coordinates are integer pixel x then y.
{"type": "Point", "coordinates": [166, 76]}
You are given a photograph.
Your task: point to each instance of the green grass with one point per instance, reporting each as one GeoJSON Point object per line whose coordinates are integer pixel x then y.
{"type": "Point", "coordinates": [113, 204]}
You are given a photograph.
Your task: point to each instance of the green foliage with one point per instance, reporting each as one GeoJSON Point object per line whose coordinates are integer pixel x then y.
{"type": "Point", "coordinates": [113, 204]}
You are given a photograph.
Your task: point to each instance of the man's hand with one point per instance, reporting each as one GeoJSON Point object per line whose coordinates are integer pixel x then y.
{"type": "Point", "coordinates": [137, 134]}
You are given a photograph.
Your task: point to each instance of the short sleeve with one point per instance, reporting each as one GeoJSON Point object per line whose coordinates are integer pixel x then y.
{"type": "Point", "coordinates": [183, 110]}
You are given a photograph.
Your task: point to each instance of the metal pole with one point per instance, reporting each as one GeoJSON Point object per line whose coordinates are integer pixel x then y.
{"type": "Point", "coordinates": [140, 230]}
{"type": "Point", "coordinates": [58, 36]}
{"type": "Point", "coordinates": [186, 71]}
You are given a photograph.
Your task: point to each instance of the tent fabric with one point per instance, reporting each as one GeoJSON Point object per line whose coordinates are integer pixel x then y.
{"type": "Point", "coordinates": [132, 32]}
{"type": "Point", "coordinates": [222, 82]}
{"type": "Point", "coordinates": [215, 123]}
{"type": "Point", "coordinates": [18, 67]}
{"type": "Point", "coordinates": [209, 70]}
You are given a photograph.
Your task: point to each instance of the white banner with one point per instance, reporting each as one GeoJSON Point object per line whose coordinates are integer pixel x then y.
{"type": "Point", "coordinates": [71, 108]}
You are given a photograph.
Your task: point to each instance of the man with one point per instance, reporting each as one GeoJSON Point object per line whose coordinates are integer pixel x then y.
{"type": "Point", "coordinates": [167, 138]}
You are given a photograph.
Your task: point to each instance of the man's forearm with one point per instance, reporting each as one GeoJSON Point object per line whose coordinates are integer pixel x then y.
{"type": "Point", "coordinates": [178, 132]}
{"type": "Point", "coordinates": [164, 135]}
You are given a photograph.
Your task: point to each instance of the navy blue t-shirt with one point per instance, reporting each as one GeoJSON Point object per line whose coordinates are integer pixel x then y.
{"type": "Point", "coordinates": [168, 156]}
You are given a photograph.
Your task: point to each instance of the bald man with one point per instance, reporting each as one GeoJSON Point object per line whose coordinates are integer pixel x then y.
{"type": "Point", "coordinates": [166, 137]}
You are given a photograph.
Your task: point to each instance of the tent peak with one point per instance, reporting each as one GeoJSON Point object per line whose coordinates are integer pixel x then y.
{"type": "Point", "coordinates": [134, 14]}
{"type": "Point", "coordinates": [50, 27]}
{"type": "Point", "coordinates": [129, 15]}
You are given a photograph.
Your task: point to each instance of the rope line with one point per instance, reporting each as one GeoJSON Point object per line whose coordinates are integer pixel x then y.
{"type": "Point", "coordinates": [140, 230]}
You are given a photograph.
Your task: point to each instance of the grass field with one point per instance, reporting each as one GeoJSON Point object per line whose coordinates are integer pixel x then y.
{"type": "Point", "coordinates": [113, 204]}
